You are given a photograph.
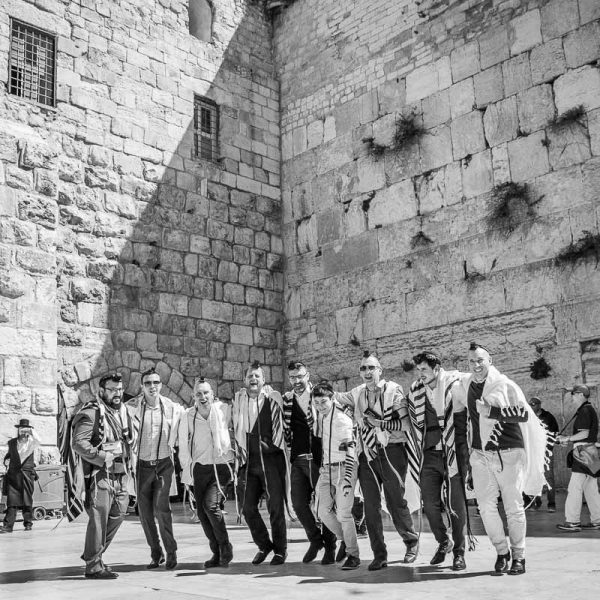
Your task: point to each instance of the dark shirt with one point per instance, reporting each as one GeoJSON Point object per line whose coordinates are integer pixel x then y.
{"type": "Point", "coordinates": [511, 435]}
{"type": "Point", "coordinates": [433, 432]}
{"type": "Point", "coordinates": [260, 439]}
{"type": "Point", "coordinates": [547, 418]}
{"type": "Point", "coordinates": [301, 433]}
{"type": "Point", "coordinates": [586, 419]}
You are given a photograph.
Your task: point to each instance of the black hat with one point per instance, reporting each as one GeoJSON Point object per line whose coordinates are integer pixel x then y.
{"type": "Point", "coordinates": [580, 388]}
{"type": "Point", "coordinates": [24, 423]}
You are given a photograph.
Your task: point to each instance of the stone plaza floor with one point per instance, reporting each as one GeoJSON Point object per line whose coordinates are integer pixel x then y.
{"type": "Point", "coordinates": [44, 564]}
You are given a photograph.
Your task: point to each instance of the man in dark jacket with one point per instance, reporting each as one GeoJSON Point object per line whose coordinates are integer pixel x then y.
{"type": "Point", "coordinates": [19, 479]}
{"type": "Point", "coordinates": [102, 438]}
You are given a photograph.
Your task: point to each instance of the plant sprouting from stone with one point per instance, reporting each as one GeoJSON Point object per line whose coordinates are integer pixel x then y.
{"type": "Point", "coordinates": [408, 130]}
{"type": "Point", "coordinates": [511, 202]}
{"type": "Point", "coordinates": [374, 149]}
{"type": "Point", "coordinates": [573, 115]}
{"type": "Point", "coordinates": [539, 368]}
{"type": "Point", "coordinates": [420, 239]}
{"type": "Point", "coordinates": [588, 245]}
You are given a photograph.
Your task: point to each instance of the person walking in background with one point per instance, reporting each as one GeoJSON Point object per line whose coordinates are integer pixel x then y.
{"type": "Point", "coordinates": [583, 482]}
{"type": "Point", "coordinates": [547, 418]}
{"type": "Point", "coordinates": [155, 420]}
{"type": "Point", "coordinates": [206, 460]}
{"type": "Point", "coordinates": [18, 483]}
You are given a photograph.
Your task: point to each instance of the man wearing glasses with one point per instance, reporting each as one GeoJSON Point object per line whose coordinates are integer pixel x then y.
{"type": "Point", "coordinates": [102, 439]}
{"type": "Point", "coordinates": [155, 421]}
{"type": "Point", "coordinates": [382, 458]}
{"type": "Point", "coordinates": [300, 425]}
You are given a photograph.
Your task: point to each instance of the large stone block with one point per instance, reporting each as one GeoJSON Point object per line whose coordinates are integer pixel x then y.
{"type": "Point", "coordinates": [569, 145]}
{"type": "Point", "coordinates": [477, 174]}
{"type": "Point", "coordinates": [464, 61]}
{"type": "Point", "coordinates": [589, 10]}
{"type": "Point", "coordinates": [501, 122]}
{"type": "Point", "coordinates": [371, 175]}
{"type": "Point", "coordinates": [583, 45]}
{"type": "Point", "coordinates": [559, 17]}
{"type": "Point", "coordinates": [392, 204]}
{"type": "Point", "coordinates": [436, 148]}
{"type": "Point", "coordinates": [516, 74]}
{"type": "Point", "coordinates": [493, 46]}
{"type": "Point", "coordinates": [436, 109]}
{"type": "Point", "coordinates": [528, 157]}
{"type": "Point", "coordinates": [536, 108]}
{"type": "Point", "coordinates": [15, 401]}
{"type": "Point", "coordinates": [578, 87]}
{"type": "Point", "coordinates": [467, 135]}
{"type": "Point", "coordinates": [524, 32]}
{"type": "Point", "coordinates": [488, 86]}
{"type": "Point", "coordinates": [462, 97]}
{"type": "Point", "coordinates": [547, 61]}
{"type": "Point", "coordinates": [175, 304]}
{"type": "Point", "coordinates": [428, 79]}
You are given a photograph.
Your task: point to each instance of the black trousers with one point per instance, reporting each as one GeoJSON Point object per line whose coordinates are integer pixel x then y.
{"type": "Point", "coordinates": [382, 472]}
{"type": "Point", "coordinates": [432, 479]}
{"type": "Point", "coordinates": [153, 485]}
{"type": "Point", "coordinates": [304, 476]}
{"type": "Point", "coordinates": [253, 482]}
{"type": "Point", "coordinates": [209, 502]}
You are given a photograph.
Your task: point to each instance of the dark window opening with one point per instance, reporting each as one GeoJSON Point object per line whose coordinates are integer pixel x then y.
{"type": "Point", "coordinates": [200, 14]}
{"type": "Point", "coordinates": [32, 63]}
{"type": "Point", "coordinates": [206, 128]}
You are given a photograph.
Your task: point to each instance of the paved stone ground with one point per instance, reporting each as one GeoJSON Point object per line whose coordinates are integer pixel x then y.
{"type": "Point", "coordinates": [45, 564]}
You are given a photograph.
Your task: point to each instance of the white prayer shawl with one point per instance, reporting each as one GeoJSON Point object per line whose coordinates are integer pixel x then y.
{"type": "Point", "coordinates": [501, 392]}
{"type": "Point", "coordinates": [219, 429]}
{"type": "Point", "coordinates": [28, 447]}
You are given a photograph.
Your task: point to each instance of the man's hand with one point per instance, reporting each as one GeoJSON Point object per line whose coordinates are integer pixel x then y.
{"type": "Point", "coordinates": [109, 459]}
{"type": "Point", "coordinates": [562, 439]}
{"type": "Point", "coordinates": [483, 408]}
{"type": "Point", "coordinates": [372, 422]}
{"type": "Point", "coordinates": [346, 488]}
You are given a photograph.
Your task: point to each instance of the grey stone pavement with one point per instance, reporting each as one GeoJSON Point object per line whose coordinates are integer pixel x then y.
{"type": "Point", "coordinates": [45, 564]}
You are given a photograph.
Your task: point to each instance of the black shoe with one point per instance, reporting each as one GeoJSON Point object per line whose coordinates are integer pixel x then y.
{"type": "Point", "coordinates": [411, 552]}
{"type": "Point", "coordinates": [260, 556]}
{"type": "Point", "coordinates": [213, 561]}
{"type": "Point", "coordinates": [352, 562]}
{"type": "Point", "coordinates": [377, 564]}
{"type": "Point", "coordinates": [226, 553]}
{"type": "Point", "coordinates": [341, 553]}
{"type": "Point", "coordinates": [28, 527]}
{"type": "Point", "coordinates": [328, 556]}
{"type": "Point", "coordinates": [103, 574]}
{"type": "Point", "coordinates": [501, 565]}
{"type": "Point", "coordinates": [459, 564]}
{"type": "Point", "coordinates": [517, 567]}
{"type": "Point", "coordinates": [156, 562]}
{"type": "Point", "coordinates": [171, 561]}
{"type": "Point", "coordinates": [5, 529]}
{"type": "Point", "coordinates": [278, 559]}
{"type": "Point", "coordinates": [440, 554]}
{"type": "Point", "coordinates": [312, 551]}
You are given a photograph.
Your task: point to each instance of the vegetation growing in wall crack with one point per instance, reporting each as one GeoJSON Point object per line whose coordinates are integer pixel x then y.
{"type": "Point", "coordinates": [471, 276]}
{"type": "Point", "coordinates": [573, 115]}
{"type": "Point", "coordinates": [539, 368]}
{"type": "Point", "coordinates": [375, 150]}
{"type": "Point", "coordinates": [408, 130]}
{"type": "Point", "coordinates": [588, 245]}
{"type": "Point", "coordinates": [420, 240]}
{"type": "Point", "coordinates": [511, 202]}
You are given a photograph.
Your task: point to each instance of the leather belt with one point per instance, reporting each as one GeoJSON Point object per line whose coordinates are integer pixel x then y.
{"type": "Point", "coordinates": [305, 456]}
{"type": "Point", "coordinates": [152, 463]}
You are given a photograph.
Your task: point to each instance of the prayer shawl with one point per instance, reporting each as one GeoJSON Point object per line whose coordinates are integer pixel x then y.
{"type": "Point", "coordinates": [372, 437]}
{"type": "Point", "coordinates": [311, 416]}
{"type": "Point", "coordinates": [218, 426]}
{"type": "Point", "coordinates": [120, 423]}
{"type": "Point", "coordinates": [171, 413]}
{"type": "Point", "coordinates": [440, 399]}
{"type": "Point", "coordinates": [243, 421]}
{"type": "Point", "coordinates": [501, 392]}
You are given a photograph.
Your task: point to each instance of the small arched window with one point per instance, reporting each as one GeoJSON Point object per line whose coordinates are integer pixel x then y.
{"type": "Point", "coordinates": [201, 18]}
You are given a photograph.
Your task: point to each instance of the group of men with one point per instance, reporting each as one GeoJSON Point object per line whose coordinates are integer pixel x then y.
{"type": "Point", "coordinates": [308, 449]}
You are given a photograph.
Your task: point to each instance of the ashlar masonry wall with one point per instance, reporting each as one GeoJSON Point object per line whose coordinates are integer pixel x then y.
{"type": "Point", "coordinates": [119, 249]}
{"type": "Point", "coordinates": [396, 249]}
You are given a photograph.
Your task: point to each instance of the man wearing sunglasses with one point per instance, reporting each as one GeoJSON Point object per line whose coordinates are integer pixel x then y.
{"type": "Point", "coordinates": [155, 421]}
{"type": "Point", "coordinates": [382, 458]}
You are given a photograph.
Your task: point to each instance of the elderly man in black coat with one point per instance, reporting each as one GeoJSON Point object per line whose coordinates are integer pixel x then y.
{"type": "Point", "coordinates": [20, 477]}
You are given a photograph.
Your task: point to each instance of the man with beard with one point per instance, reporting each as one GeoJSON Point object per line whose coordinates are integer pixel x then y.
{"type": "Point", "coordinates": [155, 419]}
{"type": "Point", "coordinates": [261, 462]}
{"type": "Point", "coordinates": [382, 458]}
{"type": "Point", "coordinates": [102, 438]}
{"type": "Point", "coordinates": [434, 414]}
{"type": "Point", "coordinates": [205, 454]}
{"type": "Point", "coordinates": [20, 477]}
{"type": "Point", "coordinates": [300, 425]}
{"type": "Point", "coordinates": [508, 455]}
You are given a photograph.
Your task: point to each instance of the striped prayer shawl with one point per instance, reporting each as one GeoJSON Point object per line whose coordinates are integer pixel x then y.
{"type": "Point", "coordinates": [416, 405]}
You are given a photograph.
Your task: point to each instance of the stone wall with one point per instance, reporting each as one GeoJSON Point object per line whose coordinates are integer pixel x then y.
{"type": "Point", "coordinates": [118, 248]}
{"type": "Point", "coordinates": [394, 247]}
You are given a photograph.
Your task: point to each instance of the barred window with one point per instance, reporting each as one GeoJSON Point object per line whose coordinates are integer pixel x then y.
{"type": "Point", "coordinates": [206, 128]}
{"type": "Point", "coordinates": [32, 63]}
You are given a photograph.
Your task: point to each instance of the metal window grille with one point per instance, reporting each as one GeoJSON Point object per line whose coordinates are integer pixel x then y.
{"type": "Point", "coordinates": [32, 63]}
{"type": "Point", "coordinates": [206, 128]}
